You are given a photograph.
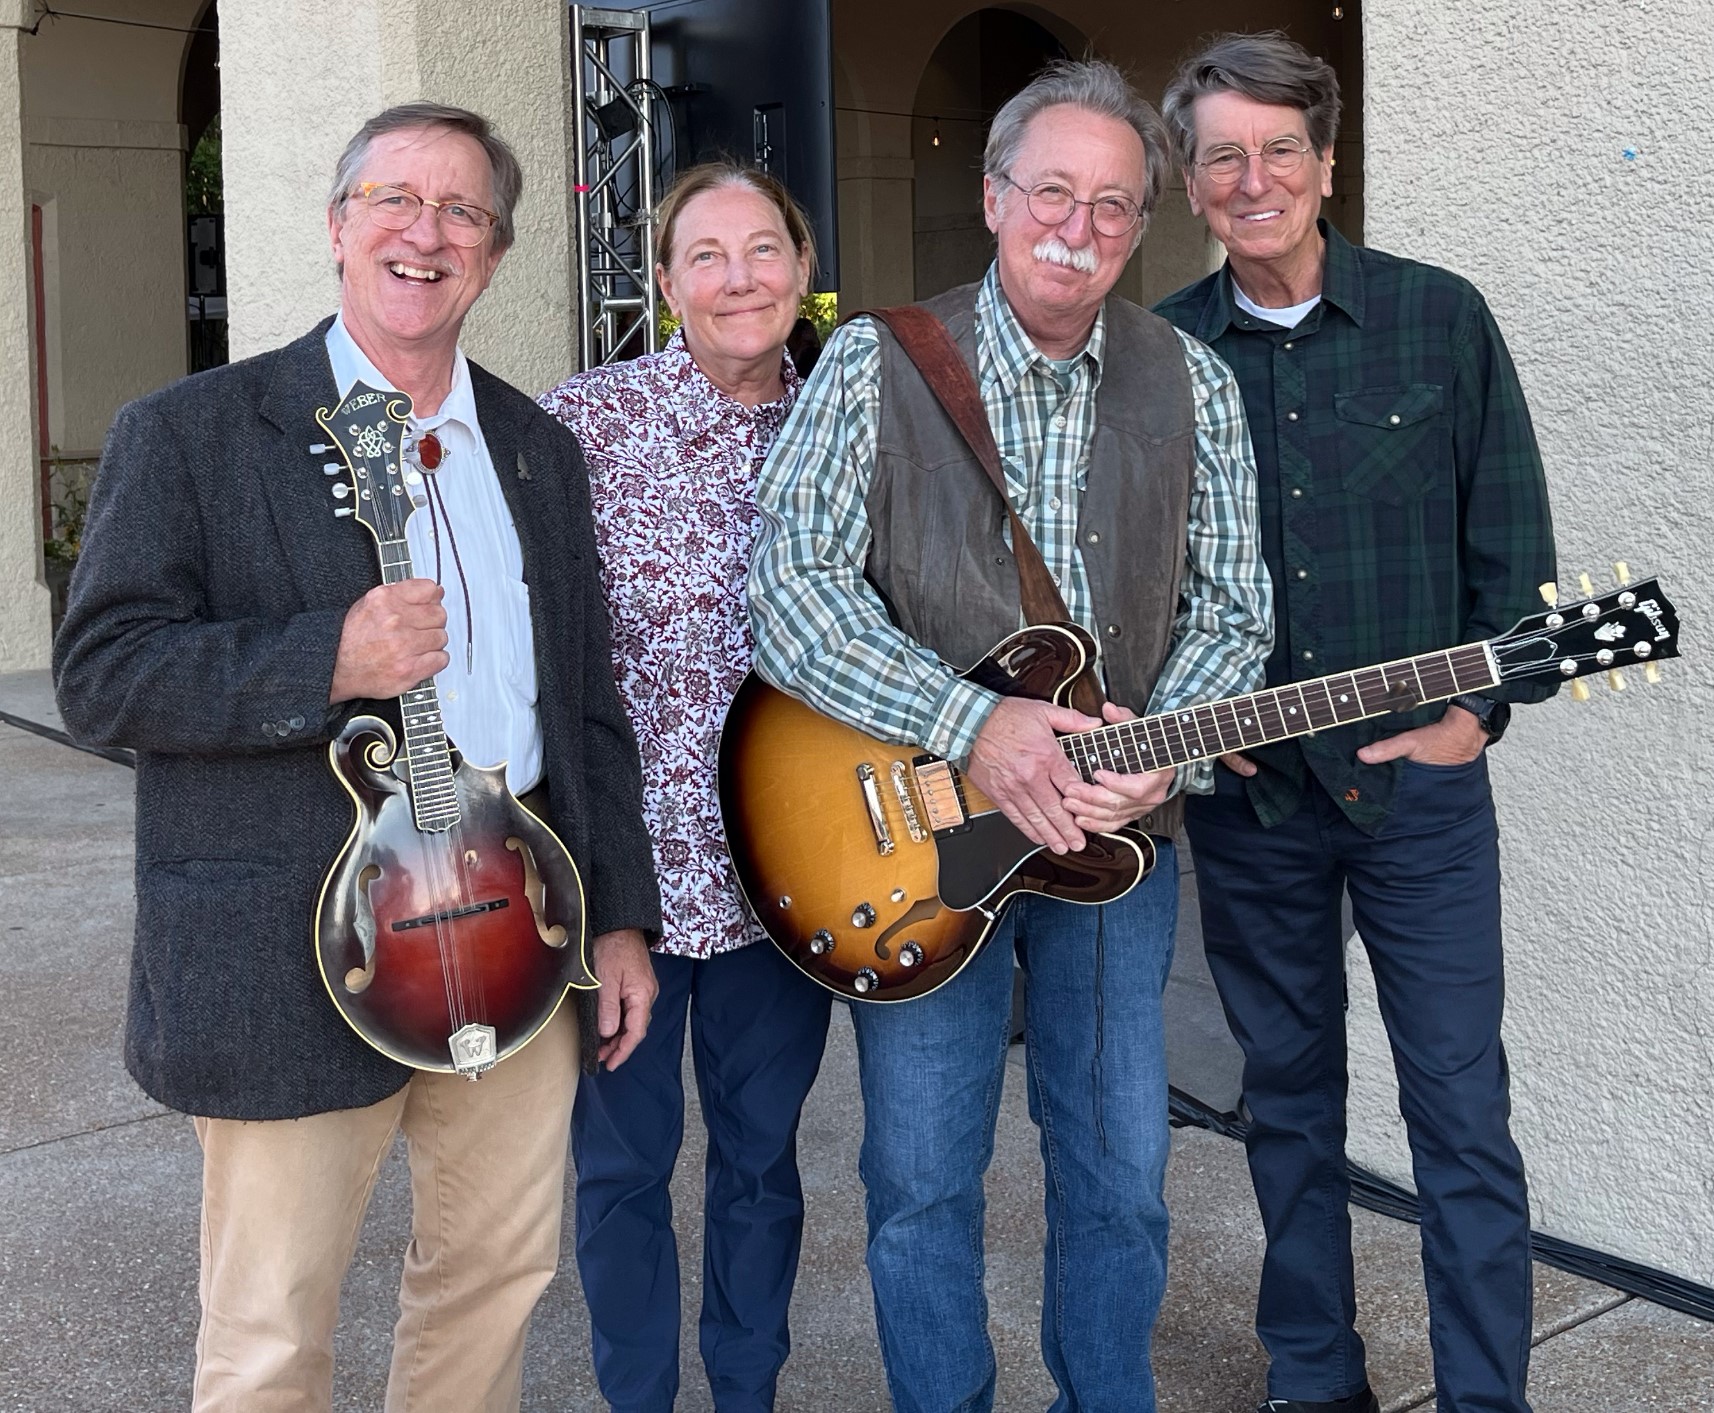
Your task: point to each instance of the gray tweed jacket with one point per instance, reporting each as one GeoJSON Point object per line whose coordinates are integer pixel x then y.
{"type": "Point", "coordinates": [203, 622]}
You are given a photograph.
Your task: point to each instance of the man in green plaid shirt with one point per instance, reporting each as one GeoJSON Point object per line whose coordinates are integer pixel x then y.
{"type": "Point", "coordinates": [1403, 511]}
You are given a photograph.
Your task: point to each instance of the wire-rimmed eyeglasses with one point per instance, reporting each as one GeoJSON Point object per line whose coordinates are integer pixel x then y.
{"type": "Point", "coordinates": [396, 208]}
{"type": "Point", "coordinates": [1052, 205]}
{"type": "Point", "coordinates": [1226, 164]}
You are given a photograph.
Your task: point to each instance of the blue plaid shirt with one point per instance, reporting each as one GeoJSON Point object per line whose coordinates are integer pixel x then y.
{"type": "Point", "coordinates": [823, 634]}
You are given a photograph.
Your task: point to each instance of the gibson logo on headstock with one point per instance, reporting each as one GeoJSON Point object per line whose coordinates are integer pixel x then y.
{"type": "Point", "coordinates": [1651, 611]}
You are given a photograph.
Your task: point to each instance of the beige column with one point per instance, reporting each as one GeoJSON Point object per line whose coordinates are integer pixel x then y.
{"type": "Point", "coordinates": [347, 60]}
{"type": "Point", "coordinates": [24, 634]}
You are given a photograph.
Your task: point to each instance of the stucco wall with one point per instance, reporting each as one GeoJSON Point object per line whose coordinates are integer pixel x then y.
{"type": "Point", "coordinates": [506, 60]}
{"type": "Point", "coordinates": [23, 596]}
{"type": "Point", "coordinates": [1498, 133]}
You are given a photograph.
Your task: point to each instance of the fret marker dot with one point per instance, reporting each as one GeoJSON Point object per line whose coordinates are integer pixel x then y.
{"type": "Point", "coordinates": [1291, 711]}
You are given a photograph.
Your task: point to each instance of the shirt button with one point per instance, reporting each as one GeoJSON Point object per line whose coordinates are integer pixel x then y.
{"type": "Point", "coordinates": [1083, 460]}
{"type": "Point", "coordinates": [1059, 422]}
{"type": "Point", "coordinates": [1394, 419]}
{"type": "Point", "coordinates": [267, 728]}
{"type": "Point", "coordinates": [1291, 416]}
{"type": "Point", "coordinates": [1056, 581]}
{"type": "Point", "coordinates": [1288, 348]}
{"type": "Point", "coordinates": [452, 696]}
{"type": "Point", "coordinates": [1297, 492]}
{"type": "Point", "coordinates": [999, 559]}
{"type": "Point", "coordinates": [1308, 656]}
{"type": "Point", "coordinates": [1303, 574]}
{"type": "Point", "coordinates": [1114, 630]}
{"type": "Point", "coordinates": [296, 723]}
{"type": "Point", "coordinates": [1054, 503]}
{"type": "Point", "coordinates": [1094, 537]}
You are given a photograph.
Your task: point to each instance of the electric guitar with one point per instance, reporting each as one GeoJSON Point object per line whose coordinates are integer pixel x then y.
{"type": "Point", "coordinates": [450, 925]}
{"type": "Point", "coordinates": [880, 870]}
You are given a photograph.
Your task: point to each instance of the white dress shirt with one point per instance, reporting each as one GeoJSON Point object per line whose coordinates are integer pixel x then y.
{"type": "Point", "coordinates": [488, 690]}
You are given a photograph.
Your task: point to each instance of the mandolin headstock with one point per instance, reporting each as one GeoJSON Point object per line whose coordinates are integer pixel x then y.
{"type": "Point", "coordinates": [368, 430]}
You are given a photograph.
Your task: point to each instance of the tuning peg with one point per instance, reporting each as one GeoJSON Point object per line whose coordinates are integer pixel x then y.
{"type": "Point", "coordinates": [1651, 673]}
{"type": "Point", "coordinates": [344, 510]}
{"type": "Point", "coordinates": [1584, 583]}
{"type": "Point", "coordinates": [1580, 691]}
{"type": "Point", "coordinates": [341, 491]}
{"type": "Point", "coordinates": [1616, 680]}
{"type": "Point", "coordinates": [1549, 593]}
{"type": "Point", "coordinates": [320, 449]}
{"type": "Point", "coordinates": [331, 468]}
{"type": "Point", "coordinates": [1621, 572]}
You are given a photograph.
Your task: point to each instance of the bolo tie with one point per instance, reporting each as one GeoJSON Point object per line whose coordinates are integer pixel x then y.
{"type": "Point", "coordinates": [430, 453]}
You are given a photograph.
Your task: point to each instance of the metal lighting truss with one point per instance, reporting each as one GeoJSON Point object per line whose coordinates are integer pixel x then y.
{"type": "Point", "coordinates": [615, 184]}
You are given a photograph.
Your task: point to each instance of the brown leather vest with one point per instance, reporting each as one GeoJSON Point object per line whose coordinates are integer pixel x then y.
{"type": "Point", "coordinates": [939, 558]}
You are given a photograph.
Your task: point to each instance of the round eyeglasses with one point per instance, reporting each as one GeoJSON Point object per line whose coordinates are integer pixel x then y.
{"type": "Point", "coordinates": [1225, 165]}
{"type": "Point", "coordinates": [394, 208]}
{"type": "Point", "coordinates": [1052, 205]}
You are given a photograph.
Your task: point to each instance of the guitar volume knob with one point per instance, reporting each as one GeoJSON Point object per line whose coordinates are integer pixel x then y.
{"type": "Point", "coordinates": [865, 981]}
{"type": "Point", "coordinates": [821, 942]}
{"type": "Point", "coordinates": [863, 915]}
{"type": "Point", "coordinates": [910, 955]}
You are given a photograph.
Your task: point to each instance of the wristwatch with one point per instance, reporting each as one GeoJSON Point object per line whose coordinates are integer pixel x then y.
{"type": "Point", "coordinates": [1492, 716]}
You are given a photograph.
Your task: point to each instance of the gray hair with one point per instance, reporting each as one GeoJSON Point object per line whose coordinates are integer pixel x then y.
{"type": "Point", "coordinates": [1097, 87]}
{"type": "Point", "coordinates": [1265, 67]}
{"type": "Point", "coordinates": [508, 176]}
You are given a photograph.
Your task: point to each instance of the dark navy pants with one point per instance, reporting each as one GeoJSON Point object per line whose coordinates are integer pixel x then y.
{"type": "Point", "coordinates": [757, 1029]}
{"type": "Point", "coordinates": [1425, 896]}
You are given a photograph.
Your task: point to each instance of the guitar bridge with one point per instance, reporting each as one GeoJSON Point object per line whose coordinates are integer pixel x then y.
{"type": "Point", "coordinates": [907, 806]}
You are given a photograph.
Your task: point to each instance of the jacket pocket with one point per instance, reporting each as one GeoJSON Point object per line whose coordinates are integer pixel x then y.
{"type": "Point", "coordinates": [1393, 442]}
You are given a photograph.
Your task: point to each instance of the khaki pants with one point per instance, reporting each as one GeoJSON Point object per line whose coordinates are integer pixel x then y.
{"type": "Point", "coordinates": [283, 1201]}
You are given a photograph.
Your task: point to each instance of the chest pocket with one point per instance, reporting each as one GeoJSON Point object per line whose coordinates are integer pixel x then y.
{"type": "Point", "coordinates": [1394, 444]}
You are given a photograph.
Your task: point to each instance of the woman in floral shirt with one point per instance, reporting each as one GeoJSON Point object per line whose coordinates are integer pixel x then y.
{"type": "Point", "coordinates": [674, 442]}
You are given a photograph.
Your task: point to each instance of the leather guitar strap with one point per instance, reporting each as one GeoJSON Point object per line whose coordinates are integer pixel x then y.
{"type": "Point", "coordinates": [929, 345]}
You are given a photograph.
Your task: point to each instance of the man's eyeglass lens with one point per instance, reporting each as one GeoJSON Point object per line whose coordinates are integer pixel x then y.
{"type": "Point", "coordinates": [395, 209]}
{"type": "Point", "coordinates": [1052, 205]}
{"type": "Point", "coordinates": [1227, 164]}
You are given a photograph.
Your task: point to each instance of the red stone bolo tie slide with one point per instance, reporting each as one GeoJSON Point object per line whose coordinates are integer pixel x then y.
{"type": "Point", "coordinates": [430, 451]}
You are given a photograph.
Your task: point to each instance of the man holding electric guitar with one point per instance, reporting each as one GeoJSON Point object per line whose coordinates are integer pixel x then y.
{"type": "Point", "coordinates": [885, 555]}
{"type": "Point", "coordinates": [308, 986]}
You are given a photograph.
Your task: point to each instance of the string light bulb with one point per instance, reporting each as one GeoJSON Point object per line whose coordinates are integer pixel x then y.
{"type": "Point", "coordinates": [1338, 12]}
{"type": "Point", "coordinates": [935, 140]}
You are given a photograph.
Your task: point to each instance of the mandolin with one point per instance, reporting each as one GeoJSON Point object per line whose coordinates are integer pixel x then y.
{"type": "Point", "coordinates": [880, 870]}
{"type": "Point", "coordinates": [450, 926]}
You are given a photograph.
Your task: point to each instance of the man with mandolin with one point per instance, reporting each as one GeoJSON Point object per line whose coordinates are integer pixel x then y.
{"type": "Point", "coordinates": [308, 987]}
{"type": "Point", "coordinates": [889, 557]}
{"type": "Point", "coordinates": [1403, 509]}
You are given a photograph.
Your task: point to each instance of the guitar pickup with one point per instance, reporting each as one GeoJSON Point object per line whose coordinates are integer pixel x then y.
{"type": "Point", "coordinates": [942, 800]}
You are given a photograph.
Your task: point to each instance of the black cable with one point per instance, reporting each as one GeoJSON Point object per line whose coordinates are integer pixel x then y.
{"type": "Point", "coordinates": [118, 757]}
{"type": "Point", "coordinates": [1373, 1192]}
{"type": "Point", "coordinates": [49, 13]}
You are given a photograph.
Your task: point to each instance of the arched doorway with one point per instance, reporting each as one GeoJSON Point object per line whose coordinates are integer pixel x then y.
{"type": "Point", "coordinates": [982, 60]}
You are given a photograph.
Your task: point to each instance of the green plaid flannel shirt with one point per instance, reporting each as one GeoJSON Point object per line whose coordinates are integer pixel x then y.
{"type": "Point", "coordinates": [1403, 504]}
{"type": "Point", "coordinates": [821, 630]}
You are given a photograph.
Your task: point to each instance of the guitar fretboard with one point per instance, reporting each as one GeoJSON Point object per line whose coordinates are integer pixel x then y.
{"type": "Point", "coordinates": [1298, 709]}
{"type": "Point", "coordinates": [434, 796]}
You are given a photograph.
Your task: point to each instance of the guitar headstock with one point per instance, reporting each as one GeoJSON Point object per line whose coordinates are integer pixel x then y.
{"type": "Point", "coordinates": [1634, 625]}
{"type": "Point", "coordinates": [368, 431]}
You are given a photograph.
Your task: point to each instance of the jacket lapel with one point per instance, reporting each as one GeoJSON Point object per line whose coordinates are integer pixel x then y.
{"type": "Point", "coordinates": [333, 561]}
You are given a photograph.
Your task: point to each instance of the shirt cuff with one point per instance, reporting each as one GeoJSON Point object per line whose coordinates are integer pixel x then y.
{"type": "Point", "coordinates": [957, 719]}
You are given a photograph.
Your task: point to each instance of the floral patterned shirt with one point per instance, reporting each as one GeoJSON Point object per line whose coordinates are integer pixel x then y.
{"type": "Point", "coordinates": [673, 464]}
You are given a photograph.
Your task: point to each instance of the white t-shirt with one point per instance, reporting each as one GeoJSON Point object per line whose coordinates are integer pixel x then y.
{"type": "Point", "coordinates": [1285, 318]}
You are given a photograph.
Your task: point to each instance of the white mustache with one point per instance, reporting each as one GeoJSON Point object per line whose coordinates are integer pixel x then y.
{"type": "Point", "coordinates": [1056, 252]}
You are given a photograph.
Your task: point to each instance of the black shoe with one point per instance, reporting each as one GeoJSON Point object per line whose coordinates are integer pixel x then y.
{"type": "Point", "coordinates": [1364, 1402]}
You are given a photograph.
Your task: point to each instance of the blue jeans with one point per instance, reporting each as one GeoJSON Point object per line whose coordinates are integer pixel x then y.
{"type": "Point", "coordinates": [932, 1071]}
{"type": "Point", "coordinates": [1425, 893]}
{"type": "Point", "coordinates": [757, 1029]}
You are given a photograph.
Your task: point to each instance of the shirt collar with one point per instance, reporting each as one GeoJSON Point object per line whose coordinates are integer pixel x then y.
{"type": "Point", "coordinates": [1341, 286]}
{"type": "Point", "coordinates": [704, 407]}
{"type": "Point", "coordinates": [1005, 352]}
{"type": "Point", "coordinates": [351, 365]}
